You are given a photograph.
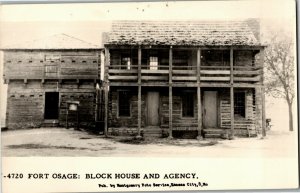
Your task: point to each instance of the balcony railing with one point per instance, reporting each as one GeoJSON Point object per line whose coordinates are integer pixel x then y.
{"type": "Point", "coordinates": [241, 74]}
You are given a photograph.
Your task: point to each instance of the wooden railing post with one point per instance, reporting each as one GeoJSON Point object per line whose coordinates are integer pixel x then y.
{"type": "Point", "coordinates": [231, 96]}
{"type": "Point", "coordinates": [199, 110]}
{"type": "Point", "coordinates": [106, 65]}
{"type": "Point", "coordinates": [170, 93]}
{"type": "Point", "coordinates": [139, 92]}
{"type": "Point", "coordinates": [263, 95]}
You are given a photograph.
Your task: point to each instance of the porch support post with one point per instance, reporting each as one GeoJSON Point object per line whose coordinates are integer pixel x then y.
{"type": "Point", "coordinates": [106, 65]}
{"type": "Point", "coordinates": [199, 94]}
{"type": "Point", "coordinates": [139, 92]}
{"type": "Point", "coordinates": [231, 136]}
{"type": "Point", "coordinates": [170, 93]}
{"type": "Point", "coordinates": [263, 95]}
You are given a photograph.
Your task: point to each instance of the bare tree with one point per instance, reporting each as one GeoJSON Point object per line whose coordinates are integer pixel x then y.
{"type": "Point", "coordinates": [280, 69]}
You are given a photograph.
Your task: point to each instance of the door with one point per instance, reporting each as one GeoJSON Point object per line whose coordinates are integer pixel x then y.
{"type": "Point", "coordinates": [51, 105]}
{"type": "Point", "coordinates": [153, 108]}
{"type": "Point", "coordinates": [210, 109]}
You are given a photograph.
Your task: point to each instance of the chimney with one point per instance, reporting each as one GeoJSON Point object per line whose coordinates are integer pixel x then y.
{"type": "Point", "coordinates": [254, 25]}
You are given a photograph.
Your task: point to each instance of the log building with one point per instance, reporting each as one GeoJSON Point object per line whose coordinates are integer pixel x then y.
{"type": "Point", "coordinates": [43, 75]}
{"type": "Point", "coordinates": [184, 78]}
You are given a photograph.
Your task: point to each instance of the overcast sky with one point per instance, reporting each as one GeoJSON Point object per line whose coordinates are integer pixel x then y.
{"type": "Point", "coordinates": [86, 21]}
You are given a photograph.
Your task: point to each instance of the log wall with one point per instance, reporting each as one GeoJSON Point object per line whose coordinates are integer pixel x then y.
{"type": "Point", "coordinates": [26, 102]}
{"type": "Point", "coordinates": [35, 64]}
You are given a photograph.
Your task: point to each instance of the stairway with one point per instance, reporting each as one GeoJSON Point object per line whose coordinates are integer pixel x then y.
{"type": "Point", "coordinates": [214, 133]}
{"type": "Point", "coordinates": [152, 132]}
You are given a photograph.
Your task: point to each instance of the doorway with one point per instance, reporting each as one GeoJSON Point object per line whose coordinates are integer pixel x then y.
{"type": "Point", "coordinates": [51, 105]}
{"type": "Point", "coordinates": [210, 118]}
{"type": "Point", "coordinates": [153, 108]}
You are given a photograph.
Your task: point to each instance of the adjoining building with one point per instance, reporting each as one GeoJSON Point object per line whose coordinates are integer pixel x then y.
{"type": "Point", "coordinates": [184, 78]}
{"type": "Point", "coordinates": [43, 75]}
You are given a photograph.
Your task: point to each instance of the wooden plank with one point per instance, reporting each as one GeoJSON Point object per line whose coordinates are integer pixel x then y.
{"type": "Point", "coordinates": [170, 92]}
{"type": "Point", "coordinates": [227, 72]}
{"type": "Point", "coordinates": [184, 72]}
{"type": "Point", "coordinates": [154, 78]}
{"type": "Point", "coordinates": [123, 77]}
{"type": "Point", "coordinates": [107, 63]}
{"type": "Point", "coordinates": [263, 97]}
{"type": "Point", "coordinates": [139, 110]}
{"type": "Point", "coordinates": [170, 111]}
{"type": "Point", "coordinates": [155, 71]}
{"type": "Point", "coordinates": [250, 79]}
{"type": "Point", "coordinates": [207, 78]}
{"type": "Point", "coordinates": [125, 71]}
{"type": "Point", "coordinates": [231, 65]}
{"type": "Point", "coordinates": [139, 64]}
{"type": "Point", "coordinates": [241, 72]}
{"type": "Point", "coordinates": [184, 78]}
{"type": "Point", "coordinates": [232, 111]}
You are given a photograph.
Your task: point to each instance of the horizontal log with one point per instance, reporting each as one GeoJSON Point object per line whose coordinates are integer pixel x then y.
{"type": "Point", "coordinates": [125, 71]}
{"type": "Point", "coordinates": [155, 71]}
{"type": "Point", "coordinates": [184, 72]}
{"type": "Point", "coordinates": [155, 78]}
{"type": "Point", "coordinates": [227, 72]}
{"type": "Point", "coordinates": [214, 78]}
{"type": "Point", "coordinates": [250, 79]}
{"type": "Point", "coordinates": [122, 77]}
{"type": "Point", "coordinates": [184, 78]}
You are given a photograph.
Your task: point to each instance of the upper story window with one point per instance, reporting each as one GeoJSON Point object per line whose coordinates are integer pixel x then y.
{"type": "Point", "coordinates": [153, 62]}
{"type": "Point", "coordinates": [52, 57]}
{"type": "Point", "coordinates": [50, 70]}
{"type": "Point", "coordinates": [125, 62]}
{"type": "Point", "coordinates": [216, 57]}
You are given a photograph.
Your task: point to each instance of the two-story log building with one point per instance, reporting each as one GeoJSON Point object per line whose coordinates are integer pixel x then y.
{"type": "Point", "coordinates": [43, 75]}
{"type": "Point", "coordinates": [184, 78]}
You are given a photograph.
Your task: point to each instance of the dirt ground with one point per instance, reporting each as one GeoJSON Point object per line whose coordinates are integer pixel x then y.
{"type": "Point", "coordinates": [68, 142]}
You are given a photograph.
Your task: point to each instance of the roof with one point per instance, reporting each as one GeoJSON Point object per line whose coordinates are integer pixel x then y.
{"type": "Point", "coordinates": [188, 33]}
{"type": "Point", "coordinates": [57, 42]}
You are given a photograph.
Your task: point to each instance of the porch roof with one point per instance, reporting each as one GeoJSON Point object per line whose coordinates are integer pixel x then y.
{"type": "Point", "coordinates": [185, 33]}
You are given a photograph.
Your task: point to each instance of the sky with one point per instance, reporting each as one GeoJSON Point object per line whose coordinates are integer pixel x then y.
{"type": "Point", "coordinates": [25, 22]}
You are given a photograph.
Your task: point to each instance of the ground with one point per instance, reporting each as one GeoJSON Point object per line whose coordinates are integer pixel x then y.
{"type": "Point", "coordinates": [69, 142]}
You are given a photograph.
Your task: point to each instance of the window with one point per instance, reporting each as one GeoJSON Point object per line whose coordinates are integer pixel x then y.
{"type": "Point", "coordinates": [153, 62]}
{"type": "Point", "coordinates": [124, 103]}
{"type": "Point", "coordinates": [239, 104]}
{"type": "Point", "coordinates": [52, 57]}
{"type": "Point", "coordinates": [125, 62]}
{"type": "Point", "coordinates": [51, 70]}
{"type": "Point", "coordinates": [188, 105]}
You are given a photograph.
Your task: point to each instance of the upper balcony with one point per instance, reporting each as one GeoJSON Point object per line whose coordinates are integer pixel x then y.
{"type": "Point", "coordinates": [179, 66]}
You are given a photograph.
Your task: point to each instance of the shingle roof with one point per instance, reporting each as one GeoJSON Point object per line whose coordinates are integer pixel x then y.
{"type": "Point", "coordinates": [195, 33]}
{"type": "Point", "coordinates": [59, 41]}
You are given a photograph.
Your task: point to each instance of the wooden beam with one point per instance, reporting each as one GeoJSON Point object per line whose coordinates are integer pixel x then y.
{"type": "Point", "coordinates": [117, 77]}
{"type": "Point", "coordinates": [199, 109]}
{"type": "Point", "coordinates": [155, 71]}
{"type": "Point", "coordinates": [170, 112]}
{"type": "Point", "coordinates": [263, 96]}
{"type": "Point", "coordinates": [139, 110]}
{"type": "Point", "coordinates": [231, 113]}
{"type": "Point", "coordinates": [170, 93]}
{"type": "Point", "coordinates": [231, 65]}
{"type": "Point", "coordinates": [170, 64]}
{"type": "Point", "coordinates": [139, 92]}
{"type": "Point", "coordinates": [139, 65]}
{"type": "Point", "coordinates": [106, 65]}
